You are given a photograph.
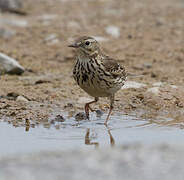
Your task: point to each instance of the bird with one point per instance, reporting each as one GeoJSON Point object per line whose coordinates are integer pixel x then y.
{"type": "Point", "coordinates": [96, 73]}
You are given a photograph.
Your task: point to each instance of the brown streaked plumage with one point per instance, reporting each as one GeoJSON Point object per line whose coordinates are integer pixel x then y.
{"type": "Point", "coordinates": [96, 73]}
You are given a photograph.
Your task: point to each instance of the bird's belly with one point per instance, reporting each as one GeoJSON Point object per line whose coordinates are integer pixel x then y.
{"type": "Point", "coordinates": [95, 91]}
{"type": "Point", "coordinates": [97, 84]}
{"type": "Point", "coordinates": [100, 88]}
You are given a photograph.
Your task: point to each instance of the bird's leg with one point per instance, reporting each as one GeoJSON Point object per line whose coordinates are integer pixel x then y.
{"type": "Point", "coordinates": [112, 141]}
{"type": "Point", "coordinates": [111, 108]}
{"type": "Point", "coordinates": [88, 141]}
{"type": "Point", "coordinates": [87, 107]}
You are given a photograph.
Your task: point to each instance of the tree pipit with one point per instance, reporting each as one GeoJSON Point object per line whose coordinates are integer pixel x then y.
{"type": "Point", "coordinates": [97, 74]}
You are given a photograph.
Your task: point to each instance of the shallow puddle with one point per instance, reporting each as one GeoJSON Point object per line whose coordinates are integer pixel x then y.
{"type": "Point", "coordinates": [122, 129]}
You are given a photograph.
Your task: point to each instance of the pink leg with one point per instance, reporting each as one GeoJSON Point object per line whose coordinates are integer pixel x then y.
{"type": "Point", "coordinates": [88, 141]}
{"type": "Point", "coordinates": [87, 107]}
{"type": "Point", "coordinates": [110, 110]}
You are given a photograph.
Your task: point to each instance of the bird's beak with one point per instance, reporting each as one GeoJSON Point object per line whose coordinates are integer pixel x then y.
{"type": "Point", "coordinates": [74, 45]}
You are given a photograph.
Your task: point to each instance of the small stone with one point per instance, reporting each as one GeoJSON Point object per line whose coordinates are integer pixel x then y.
{"type": "Point", "coordinates": [47, 17]}
{"type": "Point", "coordinates": [22, 99]}
{"type": "Point", "coordinates": [68, 105]}
{"type": "Point", "coordinates": [6, 33]}
{"type": "Point", "coordinates": [158, 84]}
{"type": "Point", "coordinates": [132, 84]}
{"type": "Point", "coordinates": [113, 31]}
{"type": "Point", "coordinates": [52, 121]}
{"type": "Point", "coordinates": [99, 113]}
{"type": "Point", "coordinates": [147, 65]}
{"type": "Point", "coordinates": [15, 22]}
{"type": "Point", "coordinates": [138, 67]}
{"type": "Point", "coordinates": [173, 86]}
{"type": "Point", "coordinates": [9, 5]}
{"type": "Point", "coordinates": [41, 81]}
{"type": "Point", "coordinates": [154, 90]}
{"type": "Point", "coordinates": [10, 65]}
{"type": "Point", "coordinates": [11, 96]}
{"type": "Point", "coordinates": [80, 116]}
{"type": "Point", "coordinates": [59, 118]}
{"type": "Point", "coordinates": [51, 39]}
{"type": "Point", "coordinates": [140, 96]}
{"type": "Point", "coordinates": [153, 75]}
{"type": "Point", "coordinates": [100, 39]}
{"type": "Point", "coordinates": [158, 23]}
{"type": "Point", "coordinates": [73, 25]}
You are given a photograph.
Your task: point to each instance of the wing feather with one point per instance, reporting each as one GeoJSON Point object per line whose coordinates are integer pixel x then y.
{"type": "Point", "coordinates": [114, 68]}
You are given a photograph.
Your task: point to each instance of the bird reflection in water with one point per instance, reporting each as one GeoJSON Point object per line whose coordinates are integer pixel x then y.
{"type": "Point", "coordinates": [96, 144]}
{"type": "Point", "coordinates": [87, 138]}
{"type": "Point", "coordinates": [27, 125]}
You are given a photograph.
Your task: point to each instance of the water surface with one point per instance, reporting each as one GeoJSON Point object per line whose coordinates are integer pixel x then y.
{"type": "Point", "coordinates": [71, 134]}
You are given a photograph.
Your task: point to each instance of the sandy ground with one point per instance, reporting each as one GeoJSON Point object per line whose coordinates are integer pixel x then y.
{"type": "Point", "coordinates": [150, 44]}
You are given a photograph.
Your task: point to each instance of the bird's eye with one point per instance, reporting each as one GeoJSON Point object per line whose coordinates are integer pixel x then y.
{"type": "Point", "coordinates": [87, 43]}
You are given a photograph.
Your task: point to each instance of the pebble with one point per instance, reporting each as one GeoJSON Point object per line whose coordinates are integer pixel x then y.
{"type": "Point", "coordinates": [173, 86]}
{"type": "Point", "coordinates": [99, 113]}
{"type": "Point", "coordinates": [59, 118]}
{"type": "Point", "coordinates": [113, 31]}
{"type": "Point", "coordinates": [132, 84]}
{"type": "Point", "coordinates": [153, 75]}
{"type": "Point", "coordinates": [73, 25]}
{"type": "Point", "coordinates": [6, 33]}
{"type": "Point", "coordinates": [80, 116]}
{"type": "Point", "coordinates": [68, 105]}
{"type": "Point", "coordinates": [14, 22]}
{"type": "Point", "coordinates": [9, 5]}
{"type": "Point", "coordinates": [21, 99]}
{"type": "Point", "coordinates": [47, 17]}
{"type": "Point", "coordinates": [51, 39]}
{"type": "Point", "coordinates": [130, 36]}
{"type": "Point", "coordinates": [100, 38]}
{"type": "Point", "coordinates": [154, 90]}
{"type": "Point", "coordinates": [10, 65]}
{"type": "Point", "coordinates": [158, 84]}
{"type": "Point", "coordinates": [10, 96]}
{"type": "Point", "coordinates": [147, 65]}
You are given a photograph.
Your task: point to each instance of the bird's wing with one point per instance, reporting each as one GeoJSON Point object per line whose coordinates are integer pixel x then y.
{"type": "Point", "coordinates": [113, 67]}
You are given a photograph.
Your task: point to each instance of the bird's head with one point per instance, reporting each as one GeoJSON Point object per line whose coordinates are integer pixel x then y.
{"type": "Point", "coordinates": [86, 45]}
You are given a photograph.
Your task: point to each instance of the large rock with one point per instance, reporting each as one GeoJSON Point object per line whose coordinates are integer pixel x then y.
{"type": "Point", "coordinates": [9, 65]}
{"type": "Point", "coordinates": [10, 4]}
{"type": "Point", "coordinates": [13, 6]}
